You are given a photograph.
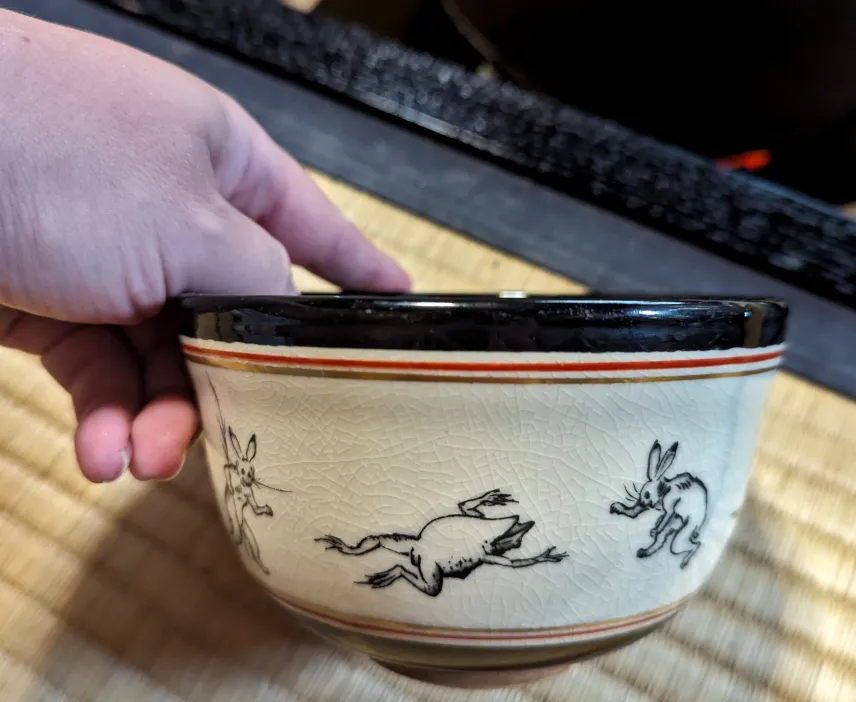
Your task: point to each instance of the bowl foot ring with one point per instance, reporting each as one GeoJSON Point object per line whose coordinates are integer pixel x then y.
{"type": "Point", "coordinates": [475, 679]}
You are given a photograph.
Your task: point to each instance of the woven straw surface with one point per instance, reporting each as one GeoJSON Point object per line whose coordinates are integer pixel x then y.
{"type": "Point", "coordinates": [132, 592]}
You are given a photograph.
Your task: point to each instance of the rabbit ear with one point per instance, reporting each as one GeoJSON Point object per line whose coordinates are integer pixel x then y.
{"type": "Point", "coordinates": [235, 443]}
{"type": "Point", "coordinates": [667, 459]}
{"type": "Point", "coordinates": [251, 448]}
{"type": "Point", "coordinates": [654, 460]}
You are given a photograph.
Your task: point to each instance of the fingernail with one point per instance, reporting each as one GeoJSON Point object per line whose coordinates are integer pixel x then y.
{"type": "Point", "coordinates": [174, 475]}
{"type": "Point", "coordinates": [126, 462]}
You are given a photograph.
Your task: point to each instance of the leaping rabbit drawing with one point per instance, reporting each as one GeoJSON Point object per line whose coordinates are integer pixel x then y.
{"type": "Point", "coordinates": [681, 501]}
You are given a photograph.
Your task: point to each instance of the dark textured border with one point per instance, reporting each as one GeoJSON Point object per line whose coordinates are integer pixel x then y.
{"type": "Point", "coordinates": [482, 200]}
{"type": "Point", "coordinates": [745, 219]}
{"type": "Point", "coordinates": [570, 324]}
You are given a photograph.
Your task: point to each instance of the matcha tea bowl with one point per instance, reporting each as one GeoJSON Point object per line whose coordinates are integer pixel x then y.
{"type": "Point", "coordinates": [479, 490]}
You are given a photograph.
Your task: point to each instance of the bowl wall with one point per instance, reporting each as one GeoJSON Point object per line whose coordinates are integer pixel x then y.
{"type": "Point", "coordinates": [507, 502]}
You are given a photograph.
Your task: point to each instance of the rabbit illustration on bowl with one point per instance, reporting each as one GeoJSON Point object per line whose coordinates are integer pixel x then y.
{"type": "Point", "coordinates": [239, 489]}
{"type": "Point", "coordinates": [681, 501]}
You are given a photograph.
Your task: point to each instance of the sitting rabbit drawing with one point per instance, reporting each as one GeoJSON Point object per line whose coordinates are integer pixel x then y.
{"type": "Point", "coordinates": [239, 490]}
{"type": "Point", "coordinates": [239, 494]}
{"type": "Point", "coordinates": [681, 501]}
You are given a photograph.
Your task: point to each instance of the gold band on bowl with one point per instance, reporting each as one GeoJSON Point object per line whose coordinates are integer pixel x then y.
{"type": "Point", "coordinates": [270, 368]}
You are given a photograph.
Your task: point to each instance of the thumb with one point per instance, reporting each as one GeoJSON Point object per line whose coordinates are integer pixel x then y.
{"type": "Point", "coordinates": [227, 252]}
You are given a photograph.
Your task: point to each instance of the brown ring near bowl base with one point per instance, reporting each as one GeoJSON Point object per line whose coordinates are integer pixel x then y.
{"type": "Point", "coordinates": [476, 679]}
{"type": "Point", "coordinates": [475, 667]}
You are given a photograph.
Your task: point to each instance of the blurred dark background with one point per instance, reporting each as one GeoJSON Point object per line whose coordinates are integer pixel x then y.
{"type": "Point", "coordinates": [768, 86]}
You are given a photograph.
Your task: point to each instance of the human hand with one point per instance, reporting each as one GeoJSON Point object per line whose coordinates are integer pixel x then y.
{"type": "Point", "coordinates": [125, 182]}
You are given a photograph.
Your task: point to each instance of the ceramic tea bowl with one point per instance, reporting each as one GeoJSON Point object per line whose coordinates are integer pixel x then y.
{"type": "Point", "coordinates": [478, 490]}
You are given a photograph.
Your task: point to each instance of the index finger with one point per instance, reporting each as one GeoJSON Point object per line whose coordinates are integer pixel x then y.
{"type": "Point", "coordinates": [265, 183]}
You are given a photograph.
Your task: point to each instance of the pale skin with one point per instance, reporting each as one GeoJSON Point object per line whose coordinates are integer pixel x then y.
{"type": "Point", "coordinates": [125, 182]}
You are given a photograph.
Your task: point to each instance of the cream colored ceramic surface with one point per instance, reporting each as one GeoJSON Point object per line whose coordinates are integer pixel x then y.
{"type": "Point", "coordinates": [364, 451]}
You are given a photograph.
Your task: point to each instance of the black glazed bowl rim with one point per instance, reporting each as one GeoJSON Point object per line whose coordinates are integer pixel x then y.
{"type": "Point", "coordinates": [488, 323]}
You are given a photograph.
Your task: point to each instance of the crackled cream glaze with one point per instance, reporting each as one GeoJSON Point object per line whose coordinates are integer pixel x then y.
{"type": "Point", "coordinates": [355, 452]}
